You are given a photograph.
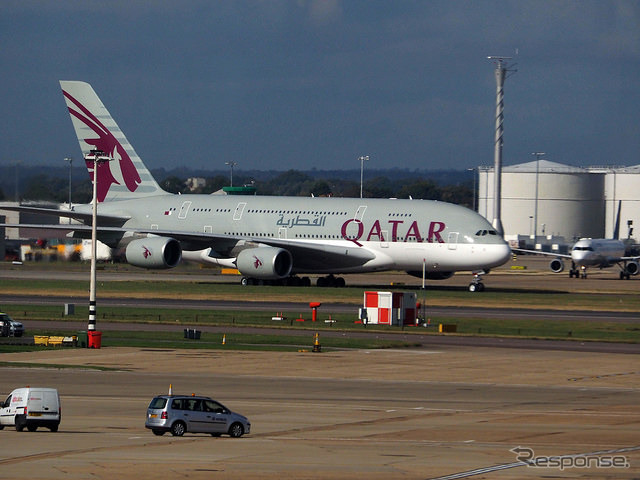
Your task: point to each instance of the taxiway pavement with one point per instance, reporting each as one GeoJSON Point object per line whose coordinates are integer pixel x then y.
{"type": "Point", "coordinates": [445, 412]}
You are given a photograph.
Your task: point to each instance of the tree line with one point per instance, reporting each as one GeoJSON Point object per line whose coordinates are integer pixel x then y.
{"type": "Point", "coordinates": [42, 187]}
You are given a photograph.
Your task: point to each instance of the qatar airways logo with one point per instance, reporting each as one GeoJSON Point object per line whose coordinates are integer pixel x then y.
{"type": "Point", "coordinates": [257, 263]}
{"type": "Point", "coordinates": [354, 230]}
{"type": "Point", "coordinates": [146, 253]}
{"type": "Point", "coordinates": [110, 146]}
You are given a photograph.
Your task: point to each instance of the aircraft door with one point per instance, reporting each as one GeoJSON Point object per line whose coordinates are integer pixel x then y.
{"type": "Point", "coordinates": [237, 214]}
{"type": "Point", "coordinates": [282, 233]}
{"type": "Point", "coordinates": [184, 209]}
{"type": "Point", "coordinates": [384, 236]}
{"type": "Point", "coordinates": [452, 240]}
{"type": "Point", "coordinates": [360, 213]}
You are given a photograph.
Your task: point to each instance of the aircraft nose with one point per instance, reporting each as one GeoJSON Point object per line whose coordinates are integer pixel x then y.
{"type": "Point", "coordinates": [505, 253]}
{"type": "Point", "coordinates": [579, 256]}
{"type": "Point", "coordinates": [501, 254]}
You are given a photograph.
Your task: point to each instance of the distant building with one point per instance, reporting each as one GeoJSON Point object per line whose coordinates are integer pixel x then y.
{"type": "Point", "coordinates": [195, 183]}
{"type": "Point", "coordinates": [570, 202]}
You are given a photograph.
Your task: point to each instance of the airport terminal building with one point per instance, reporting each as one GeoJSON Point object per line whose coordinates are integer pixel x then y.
{"type": "Point", "coordinates": [557, 204]}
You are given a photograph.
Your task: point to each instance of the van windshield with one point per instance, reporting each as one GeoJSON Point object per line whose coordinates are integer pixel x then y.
{"type": "Point", "coordinates": [158, 402]}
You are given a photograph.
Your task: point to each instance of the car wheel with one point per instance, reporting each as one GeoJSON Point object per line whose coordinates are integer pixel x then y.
{"type": "Point", "coordinates": [178, 429]}
{"type": "Point", "coordinates": [157, 431]}
{"type": "Point", "coordinates": [19, 427]}
{"type": "Point", "coordinates": [236, 430]}
{"type": "Point", "coordinates": [53, 428]}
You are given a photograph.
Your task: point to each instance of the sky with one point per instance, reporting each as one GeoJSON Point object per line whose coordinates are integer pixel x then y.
{"type": "Point", "coordinates": [315, 84]}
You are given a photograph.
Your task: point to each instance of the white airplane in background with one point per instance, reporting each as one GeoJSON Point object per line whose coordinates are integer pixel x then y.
{"type": "Point", "coordinates": [265, 238]}
{"type": "Point", "coordinates": [594, 252]}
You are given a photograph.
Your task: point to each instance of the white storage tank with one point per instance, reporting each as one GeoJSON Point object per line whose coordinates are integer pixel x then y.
{"type": "Point", "coordinates": [622, 191]}
{"type": "Point", "coordinates": [546, 199]}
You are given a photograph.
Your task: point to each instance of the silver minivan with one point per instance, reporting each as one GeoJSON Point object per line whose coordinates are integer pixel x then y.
{"type": "Point", "coordinates": [182, 413]}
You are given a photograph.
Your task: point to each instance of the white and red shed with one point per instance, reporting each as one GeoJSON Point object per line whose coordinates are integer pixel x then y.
{"type": "Point", "coordinates": [390, 308]}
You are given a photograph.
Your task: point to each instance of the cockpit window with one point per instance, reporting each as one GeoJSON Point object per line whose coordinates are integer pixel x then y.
{"type": "Point", "coordinates": [482, 233]}
{"type": "Point", "coordinates": [583, 249]}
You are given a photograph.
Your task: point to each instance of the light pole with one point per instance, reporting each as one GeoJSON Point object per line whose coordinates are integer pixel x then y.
{"type": "Point", "coordinates": [97, 157]}
{"type": "Point", "coordinates": [362, 159]}
{"type": "Point", "coordinates": [70, 160]}
{"type": "Point", "coordinates": [231, 164]}
{"type": "Point", "coordinates": [535, 208]}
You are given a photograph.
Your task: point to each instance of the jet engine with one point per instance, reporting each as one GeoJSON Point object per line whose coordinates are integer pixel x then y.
{"type": "Point", "coordinates": [154, 252]}
{"type": "Point", "coordinates": [632, 268]}
{"type": "Point", "coordinates": [556, 265]}
{"type": "Point", "coordinates": [264, 262]}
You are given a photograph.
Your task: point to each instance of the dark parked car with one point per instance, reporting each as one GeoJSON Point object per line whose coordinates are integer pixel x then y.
{"type": "Point", "coordinates": [10, 327]}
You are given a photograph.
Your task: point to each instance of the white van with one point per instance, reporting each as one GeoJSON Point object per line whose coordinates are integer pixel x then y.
{"type": "Point", "coordinates": [31, 407]}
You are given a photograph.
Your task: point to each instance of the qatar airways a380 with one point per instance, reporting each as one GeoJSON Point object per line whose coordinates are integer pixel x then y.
{"type": "Point", "coordinates": [267, 238]}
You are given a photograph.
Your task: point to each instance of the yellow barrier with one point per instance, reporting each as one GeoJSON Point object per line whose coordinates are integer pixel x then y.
{"type": "Point", "coordinates": [443, 328]}
{"type": "Point", "coordinates": [230, 271]}
{"type": "Point", "coordinates": [56, 341]}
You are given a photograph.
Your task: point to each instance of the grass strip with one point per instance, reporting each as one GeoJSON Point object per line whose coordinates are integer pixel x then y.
{"type": "Point", "coordinates": [198, 290]}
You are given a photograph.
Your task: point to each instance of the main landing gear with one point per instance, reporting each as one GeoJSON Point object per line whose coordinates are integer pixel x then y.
{"type": "Point", "coordinates": [294, 281]}
{"type": "Point", "coordinates": [476, 284]}
{"type": "Point", "coordinates": [330, 281]}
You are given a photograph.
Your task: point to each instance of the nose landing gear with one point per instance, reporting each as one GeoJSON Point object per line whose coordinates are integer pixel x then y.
{"type": "Point", "coordinates": [476, 284]}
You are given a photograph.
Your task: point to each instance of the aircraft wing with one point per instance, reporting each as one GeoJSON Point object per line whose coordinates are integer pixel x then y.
{"type": "Point", "coordinates": [80, 216]}
{"type": "Point", "coordinates": [305, 255]}
{"type": "Point", "coordinates": [538, 252]}
{"type": "Point", "coordinates": [313, 256]}
{"type": "Point", "coordinates": [626, 259]}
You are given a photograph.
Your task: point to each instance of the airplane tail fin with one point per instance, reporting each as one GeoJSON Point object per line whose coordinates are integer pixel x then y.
{"type": "Point", "coordinates": [125, 176]}
{"type": "Point", "coordinates": [616, 228]}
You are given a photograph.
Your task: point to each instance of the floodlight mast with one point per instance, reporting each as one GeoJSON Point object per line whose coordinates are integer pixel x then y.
{"type": "Point", "coordinates": [98, 157]}
{"type": "Point", "coordinates": [500, 73]}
